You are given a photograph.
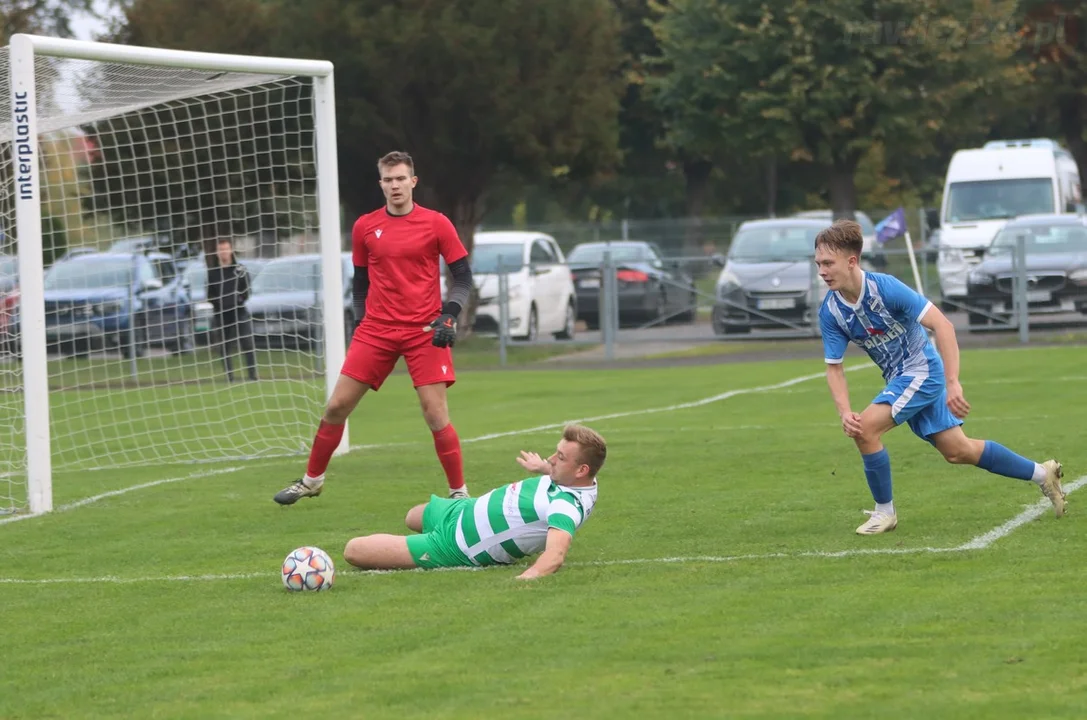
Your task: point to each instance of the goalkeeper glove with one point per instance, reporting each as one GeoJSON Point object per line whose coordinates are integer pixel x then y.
{"type": "Point", "coordinates": [445, 330]}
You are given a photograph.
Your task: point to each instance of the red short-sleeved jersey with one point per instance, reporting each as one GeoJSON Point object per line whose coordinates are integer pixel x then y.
{"type": "Point", "coordinates": [401, 252]}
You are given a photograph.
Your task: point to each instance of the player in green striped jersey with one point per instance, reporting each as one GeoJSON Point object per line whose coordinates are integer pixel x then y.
{"type": "Point", "coordinates": [536, 515]}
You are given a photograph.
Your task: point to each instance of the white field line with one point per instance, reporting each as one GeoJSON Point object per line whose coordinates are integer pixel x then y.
{"type": "Point", "coordinates": [981, 542]}
{"type": "Point", "coordinates": [481, 438]}
{"type": "Point", "coordinates": [1034, 511]}
{"type": "Point", "coordinates": [122, 491]}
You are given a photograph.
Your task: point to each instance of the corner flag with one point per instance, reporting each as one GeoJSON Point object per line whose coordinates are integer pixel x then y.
{"type": "Point", "coordinates": [891, 226]}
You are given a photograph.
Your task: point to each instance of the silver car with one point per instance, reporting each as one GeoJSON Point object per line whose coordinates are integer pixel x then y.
{"type": "Point", "coordinates": [768, 279]}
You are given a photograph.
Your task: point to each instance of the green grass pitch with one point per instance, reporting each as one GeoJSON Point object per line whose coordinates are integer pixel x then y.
{"type": "Point", "coordinates": [719, 575]}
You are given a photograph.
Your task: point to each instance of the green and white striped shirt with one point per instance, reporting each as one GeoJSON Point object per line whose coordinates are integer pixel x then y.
{"type": "Point", "coordinates": [512, 521]}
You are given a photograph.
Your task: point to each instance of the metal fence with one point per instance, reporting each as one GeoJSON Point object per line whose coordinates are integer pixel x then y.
{"type": "Point", "coordinates": [698, 298]}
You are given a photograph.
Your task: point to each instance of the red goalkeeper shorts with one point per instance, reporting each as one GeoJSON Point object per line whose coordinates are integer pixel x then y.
{"type": "Point", "coordinates": [374, 350]}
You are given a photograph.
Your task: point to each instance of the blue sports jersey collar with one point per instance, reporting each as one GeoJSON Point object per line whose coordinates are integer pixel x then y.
{"type": "Point", "coordinates": [860, 298]}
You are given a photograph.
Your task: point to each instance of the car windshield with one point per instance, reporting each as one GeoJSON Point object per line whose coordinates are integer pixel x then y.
{"type": "Point", "coordinates": [9, 266]}
{"type": "Point", "coordinates": [485, 257]}
{"type": "Point", "coordinates": [619, 253]}
{"type": "Point", "coordinates": [89, 274]}
{"type": "Point", "coordinates": [1042, 239]}
{"type": "Point", "coordinates": [998, 199]}
{"type": "Point", "coordinates": [774, 244]}
{"type": "Point", "coordinates": [287, 276]}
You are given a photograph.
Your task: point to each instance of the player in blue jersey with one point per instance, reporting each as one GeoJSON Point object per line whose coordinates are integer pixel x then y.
{"type": "Point", "coordinates": [888, 320]}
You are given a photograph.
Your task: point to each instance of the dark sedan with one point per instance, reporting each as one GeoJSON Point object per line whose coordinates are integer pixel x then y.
{"type": "Point", "coordinates": [286, 304]}
{"type": "Point", "coordinates": [1056, 269]}
{"type": "Point", "coordinates": [768, 279]}
{"type": "Point", "coordinates": [650, 288]}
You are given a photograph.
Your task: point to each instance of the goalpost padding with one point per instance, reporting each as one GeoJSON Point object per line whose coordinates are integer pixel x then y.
{"type": "Point", "coordinates": [101, 368]}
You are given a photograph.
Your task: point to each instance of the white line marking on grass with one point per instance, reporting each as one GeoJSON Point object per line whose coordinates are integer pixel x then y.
{"type": "Point", "coordinates": [666, 408]}
{"type": "Point", "coordinates": [1034, 511]}
{"type": "Point", "coordinates": [122, 491]}
{"type": "Point", "coordinates": [480, 438]}
{"type": "Point", "coordinates": [981, 542]}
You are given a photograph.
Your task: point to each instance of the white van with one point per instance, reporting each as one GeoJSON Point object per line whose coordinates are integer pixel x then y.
{"type": "Point", "coordinates": [986, 187]}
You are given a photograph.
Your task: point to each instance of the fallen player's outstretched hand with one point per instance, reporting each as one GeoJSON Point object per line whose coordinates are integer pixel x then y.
{"type": "Point", "coordinates": [533, 462]}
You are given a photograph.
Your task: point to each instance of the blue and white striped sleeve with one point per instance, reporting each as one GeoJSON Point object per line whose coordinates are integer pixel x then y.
{"type": "Point", "coordinates": [835, 340]}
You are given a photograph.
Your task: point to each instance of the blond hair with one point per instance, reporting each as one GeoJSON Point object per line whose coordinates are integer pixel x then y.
{"type": "Point", "coordinates": [592, 450]}
{"type": "Point", "coordinates": [842, 236]}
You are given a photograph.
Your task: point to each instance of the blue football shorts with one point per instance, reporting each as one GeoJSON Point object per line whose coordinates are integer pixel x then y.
{"type": "Point", "coordinates": [920, 401]}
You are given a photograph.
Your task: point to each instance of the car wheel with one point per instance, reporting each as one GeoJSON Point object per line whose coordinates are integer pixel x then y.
{"type": "Point", "coordinates": [977, 320]}
{"type": "Point", "coordinates": [185, 342]}
{"type": "Point", "coordinates": [660, 309]}
{"type": "Point", "coordinates": [737, 329]}
{"type": "Point", "coordinates": [138, 348]}
{"type": "Point", "coordinates": [570, 326]}
{"type": "Point", "coordinates": [691, 312]}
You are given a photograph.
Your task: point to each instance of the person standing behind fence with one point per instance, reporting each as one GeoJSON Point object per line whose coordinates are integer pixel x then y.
{"type": "Point", "coordinates": [228, 289]}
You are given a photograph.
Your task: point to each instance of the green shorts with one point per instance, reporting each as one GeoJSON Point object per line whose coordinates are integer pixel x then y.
{"type": "Point", "coordinates": [437, 547]}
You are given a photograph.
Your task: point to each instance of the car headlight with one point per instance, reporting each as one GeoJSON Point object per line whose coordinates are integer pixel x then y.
{"type": "Point", "coordinates": [980, 278]}
{"type": "Point", "coordinates": [727, 282]}
{"type": "Point", "coordinates": [1079, 277]}
{"type": "Point", "coordinates": [952, 256]}
{"type": "Point", "coordinates": [514, 293]}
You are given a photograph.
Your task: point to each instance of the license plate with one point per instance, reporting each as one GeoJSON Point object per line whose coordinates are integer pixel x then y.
{"type": "Point", "coordinates": [1039, 296]}
{"type": "Point", "coordinates": [589, 283]}
{"type": "Point", "coordinates": [776, 303]}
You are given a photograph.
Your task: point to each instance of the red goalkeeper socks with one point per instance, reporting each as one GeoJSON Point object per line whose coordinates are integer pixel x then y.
{"type": "Point", "coordinates": [447, 445]}
{"type": "Point", "coordinates": [324, 444]}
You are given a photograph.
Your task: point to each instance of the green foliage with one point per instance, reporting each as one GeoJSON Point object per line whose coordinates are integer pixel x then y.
{"type": "Point", "coordinates": [822, 82]}
{"type": "Point", "coordinates": [42, 17]}
{"type": "Point", "coordinates": [470, 88]}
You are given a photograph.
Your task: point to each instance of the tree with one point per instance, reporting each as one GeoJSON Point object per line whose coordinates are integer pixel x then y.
{"type": "Point", "coordinates": [44, 17]}
{"type": "Point", "coordinates": [471, 88]}
{"type": "Point", "coordinates": [822, 82]}
{"type": "Point", "coordinates": [1054, 53]}
{"type": "Point", "coordinates": [233, 162]}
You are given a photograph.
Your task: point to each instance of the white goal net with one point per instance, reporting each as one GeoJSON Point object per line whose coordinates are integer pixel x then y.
{"type": "Point", "coordinates": [155, 351]}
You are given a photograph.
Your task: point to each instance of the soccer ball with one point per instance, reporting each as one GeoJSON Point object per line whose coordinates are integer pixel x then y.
{"type": "Point", "coordinates": [308, 568]}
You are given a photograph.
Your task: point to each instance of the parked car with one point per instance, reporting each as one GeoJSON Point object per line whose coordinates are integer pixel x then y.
{"type": "Point", "coordinates": [123, 301]}
{"type": "Point", "coordinates": [1056, 268]}
{"type": "Point", "coordinates": [196, 275]}
{"type": "Point", "coordinates": [285, 303]}
{"type": "Point", "coordinates": [768, 277]}
{"type": "Point", "coordinates": [541, 297]}
{"type": "Point", "coordinates": [868, 228]}
{"type": "Point", "coordinates": [649, 287]}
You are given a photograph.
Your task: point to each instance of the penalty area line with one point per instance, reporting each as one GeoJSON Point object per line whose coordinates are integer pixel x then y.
{"type": "Point", "coordinates": [481, 438]}
{"type": "Point", "coordinates": [981, 542]}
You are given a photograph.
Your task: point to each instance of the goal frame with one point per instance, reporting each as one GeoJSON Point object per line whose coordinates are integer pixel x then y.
{"type": "Point", "coordinates": [25, 159]}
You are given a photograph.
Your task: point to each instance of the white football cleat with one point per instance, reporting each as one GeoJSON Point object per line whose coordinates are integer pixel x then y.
{"type": "Point", "coordinates": [878, 522]}
{"type": "Point", "coordinates": [460, 493]}
{"type": "Point", "coordinates": [1051, 487]}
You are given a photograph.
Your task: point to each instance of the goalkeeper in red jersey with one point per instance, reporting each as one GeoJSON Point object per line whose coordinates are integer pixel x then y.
{"type": "Point", "coordinates": [397, 296]}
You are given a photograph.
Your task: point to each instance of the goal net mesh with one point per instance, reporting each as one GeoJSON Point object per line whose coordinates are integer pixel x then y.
{"type": "Point", "coordinates": [144, 171]}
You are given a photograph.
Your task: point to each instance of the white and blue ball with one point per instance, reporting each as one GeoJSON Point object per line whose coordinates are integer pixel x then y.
{"type": "Point", "coordinates": [308, 568]}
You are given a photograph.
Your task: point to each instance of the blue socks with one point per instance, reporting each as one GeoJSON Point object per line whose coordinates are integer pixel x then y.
{"type": "Point", "coordinates": [1000, 460]}
{"type": "Point", "coordinates": [877, 470]}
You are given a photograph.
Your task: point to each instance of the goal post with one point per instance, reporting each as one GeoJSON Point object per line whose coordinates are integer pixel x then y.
{"type": "Point", "coordinates": [111, 143]}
